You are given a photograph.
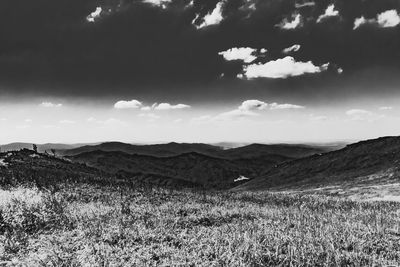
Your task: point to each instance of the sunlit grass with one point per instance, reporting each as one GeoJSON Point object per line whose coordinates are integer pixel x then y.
{"type": "Point", "coordinates": [106, 226]}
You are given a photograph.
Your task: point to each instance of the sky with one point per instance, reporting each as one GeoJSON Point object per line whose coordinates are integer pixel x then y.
{"type": "Point", "coordinates": [150, 71]}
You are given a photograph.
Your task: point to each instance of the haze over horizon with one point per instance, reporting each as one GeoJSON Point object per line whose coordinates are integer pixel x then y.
{"type": "Point", "coordinates": [147, 71]}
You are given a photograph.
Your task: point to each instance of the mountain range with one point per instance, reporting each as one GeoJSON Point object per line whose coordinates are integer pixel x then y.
{"type": "Point", "coordinates": [363, 165]}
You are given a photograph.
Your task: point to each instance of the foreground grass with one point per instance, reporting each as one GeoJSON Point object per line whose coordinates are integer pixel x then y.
{"type": "Point", "coordinates": [106, 226]}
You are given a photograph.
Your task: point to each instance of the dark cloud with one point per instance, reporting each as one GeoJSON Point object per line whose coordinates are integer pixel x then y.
{"type": "Point", "coordinates": [48, 46]}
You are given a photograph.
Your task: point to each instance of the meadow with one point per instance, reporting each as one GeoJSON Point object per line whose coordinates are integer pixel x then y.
{"type": "Point", "coordinates": [93, 225]}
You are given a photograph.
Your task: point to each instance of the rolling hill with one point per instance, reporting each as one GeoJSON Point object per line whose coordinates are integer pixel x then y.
{"type": "Point", "coordinates": [28, 166]}
{"type": "Point", "coordinates": [175, 149]}
{"type": "Point", "coordinates": [358, 167]}
{"type": "Point", "coordinates": [41, 147]}
{"type": "Point", "coordinates": [193, 167]}
{"type": "Point", "coordinates": [157, 150]}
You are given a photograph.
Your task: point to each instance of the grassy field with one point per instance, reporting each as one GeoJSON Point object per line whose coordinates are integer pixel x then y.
{"type": "Point", "coordinates": [107, 226]}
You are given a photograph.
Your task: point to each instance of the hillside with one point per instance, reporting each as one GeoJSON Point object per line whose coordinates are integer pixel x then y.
{"type": "Point", "coordinates": [157, 150]}
{"type": "Point", "coordinates": [28, 166]}
{"type": "Point", "coordinates": [358, 167]}
{"type": "Point", "coordinates": [41, 147]}
{"type": "Point", "coordinates": [194, 167]}
{"type": "Point", "coordinates": [175, 149]}
{"type": "Point", "coordinates": [287, 150]}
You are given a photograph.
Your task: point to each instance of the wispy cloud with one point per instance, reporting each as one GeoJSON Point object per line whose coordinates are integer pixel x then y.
{"type": "Point", "coordinates": [329, 12]}
{"type": "Point", "coordinates": [248, 108]}
{"type": "Point", "coordinates": [292, 24]}
{"type": "Point", "coordinates": [363, 115]}
{"type": "Point", "coordinates": [167, 106]}
{"type": "Point", "coordinates": [212, 18]}
{"type": "Point", "coordinates": [50, 105]}
{"type": "Point", "coordinates": [291, 49]}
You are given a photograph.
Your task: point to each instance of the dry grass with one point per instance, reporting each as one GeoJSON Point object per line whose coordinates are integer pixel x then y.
{"type": "Point", "coordinates": [106, 226]}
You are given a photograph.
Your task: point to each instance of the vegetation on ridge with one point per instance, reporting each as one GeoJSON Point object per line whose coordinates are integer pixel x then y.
{"type": "Point", "coordinates": [89, 225]}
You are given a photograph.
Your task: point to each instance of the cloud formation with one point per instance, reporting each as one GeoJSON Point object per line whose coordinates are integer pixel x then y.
{"type": "Point", "coordinates": [250, 108]}
{"type": "Point", "coordinates": [150, 48]}
{"type": "Point", "coordinates": [292, 24]}
{"type": "Point", "coordinates": [291, 49]}
{"type": "Point", "coordinates": [251, 105]}
{"type": "Point", "coordinates": [167, 106]}
{"type": "Point", "coordinates": [282, 68]}
{"type": "Point", "coordinates": [386, 19]}
{"type": "Point", "coordinates": [329, 12]}
{"type": "Point", "coordinates": [363, 115]}
{"type": "Point", "coordinates": [92, 17]}
{"type": "Point", "coordinates": [212, 18]}
{"type": "Point", "coordinates": [50, 105]}
{"type": "Point", "coordinates": [131, 104]}
{"type": "Point", "coordinates": [246, 54]}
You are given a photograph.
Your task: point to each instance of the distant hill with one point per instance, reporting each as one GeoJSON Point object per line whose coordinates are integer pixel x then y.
{"type": "Point", "coordinates": [174, 149]}
{"type": "Point", "coordinates": [194, 167]}
{"type": "Point", "coordinates": [287, 150]}
{"type": "Point", "coordinates": [41, 147]}
{"type": "Point", "coordinates": [197, 163]}
{"type": "Point", "coordinates": [27, 166]}
{"type": "Point", "coordinates": [158, 150]}
{"type": "Point", "coordinates": [370, 162]}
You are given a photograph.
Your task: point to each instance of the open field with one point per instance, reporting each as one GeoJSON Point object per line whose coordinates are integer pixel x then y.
{"type": "Point", "coordinates": [87, 225]}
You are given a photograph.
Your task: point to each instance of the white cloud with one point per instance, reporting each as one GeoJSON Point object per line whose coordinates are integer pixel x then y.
{"type": "Point", "coordinates": [291, 25]}
{"type": "Point", "coordinates": [385, 108]}
{"type": "Point", "coordinates": [353, 112]}
{"type": "Point", "coordinates": [28, 120]}
{"type": "Point", "coordinates": [282, 68]}
{"type": "Point", "coordinates": [92, 17]}
{"type": "Point", "coordinates": [50, 105]}
{"type": "Point", "coordinates": [363, 115]}
{"type": "Point", "coordinates": [389, 18]}
{"type": "Point", "coordinates": [160, 3]}
{"type": "Point", "coordinates": [239, 53]}
{"type": "Point", "coordinates": [132, 104]}
{"type": "Point", "coordinates": [361, 21]}
{"type": "Point", "coordinates": [247, 109]}
{"type": "Point", "coordinates": [291, 49]}
{"type": "Point", "coordinates": [305, 4]}
{"type": "Point", "coordinates": [284, 106]}
{"type": "Point", "coordinates": [167, 106]}
{"type": "Point", "coordinates": [213, 18]}
{"type": "Point", "coordinates": [329, 12]}
{"type": "Point", "coordinates": [253, 105]}
{"type": "Point", "coordinates": [178, 121]}
{"type": "Point", "coordinates": [235, 114]}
